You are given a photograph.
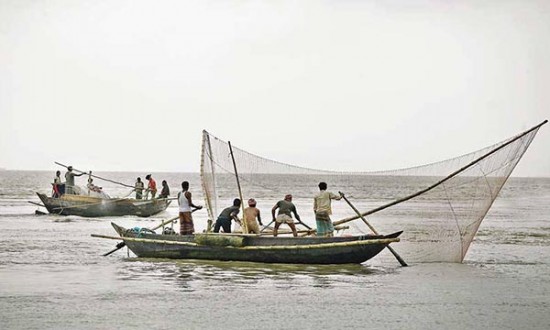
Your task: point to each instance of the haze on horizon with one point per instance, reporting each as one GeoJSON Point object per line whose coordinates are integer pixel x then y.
{"type": "Point", "coordinates": [343, 85]}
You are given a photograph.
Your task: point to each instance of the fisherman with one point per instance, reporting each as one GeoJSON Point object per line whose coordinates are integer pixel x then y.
{"type": "Point", "coordinates": [322, 209]}
{"type": "Point", "coordinates": [286, 208]}
{"type": "Point", "coordinates": [185, 204]}
{"type": "Point", "coordinates": [58, 186]}
{"type": "Point", "coordinates": [139, 188]}
{"type": "Point", "coordinates": [69, 181]}
{"type": "Point", "coordinates": [92, 187]}
{"type": "Point", "coordinates": [250, 215]}
{"type": "Point", "coordinates": [224, 219]}
{"type": "Point", "coordinates": [151, 187]}
{"type": "Point", "coordinates": [165, 192]}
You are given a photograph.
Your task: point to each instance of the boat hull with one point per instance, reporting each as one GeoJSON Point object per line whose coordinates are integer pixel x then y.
{"type": "Point", "coordinates": [250, 248]}
{"type": "Point", "coordinates": [87, 206]}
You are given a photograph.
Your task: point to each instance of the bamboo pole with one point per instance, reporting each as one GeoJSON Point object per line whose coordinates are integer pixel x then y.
{"type": "Point", "coordinates": [207, 197]}
{"type": "Point", "coordinates": [397, 256]}
{"type": "Point", "coordinates": [267, 247]}
{"type": "Point", "coordinates": [455, 173]}
{"type": "Point", "coordinates": [243, 223]}
{"type": "Point", "coordinates": [95, 176]}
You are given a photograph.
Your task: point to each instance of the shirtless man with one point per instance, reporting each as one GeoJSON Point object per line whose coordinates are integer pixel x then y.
{"type": "Point", "coordinates": [250, 215]}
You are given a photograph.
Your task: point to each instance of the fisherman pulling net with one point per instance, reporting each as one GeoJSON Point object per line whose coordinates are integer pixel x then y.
{"type": "Point", "coordinates": [439, 206]}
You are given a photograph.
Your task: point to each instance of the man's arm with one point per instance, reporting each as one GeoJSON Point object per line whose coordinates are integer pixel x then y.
{"type": "Point", "coordinates": [188, 196]}
{"type": "Point", "coordinates": [296, 214]}
{"type": "Point", "coordinates": [259, 218]}
{"type": "Point", "coordinates": [314, 205]}
{"type": "Point", "coordinates": [273, 211]}
{"type": "Point", "coordinates": [234, 216]}
{"type": "Point", "coordinates": [334, 196]}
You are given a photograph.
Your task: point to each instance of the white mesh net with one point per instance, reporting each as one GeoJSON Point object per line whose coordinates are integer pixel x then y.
{"type": "Point", "coordinates": [439, 206]}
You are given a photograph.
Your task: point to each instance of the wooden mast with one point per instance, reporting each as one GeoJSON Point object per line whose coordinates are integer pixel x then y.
{"type": "Point", "coordinates": [243, 223]}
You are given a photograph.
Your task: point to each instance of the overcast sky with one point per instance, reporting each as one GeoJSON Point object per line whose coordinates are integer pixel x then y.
{"type": "Point", "coordinates": [342, 85]}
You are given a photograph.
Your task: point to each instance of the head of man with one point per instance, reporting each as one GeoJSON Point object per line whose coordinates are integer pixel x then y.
{"type": "Point", "coordinates": [138, 179]}
{"type": "Point", "coordinates": [185, 185]}
{"type": "Point", "coordinates": [322, 186]}
{"type": "Point", "coordinates": [236, 202]}
{"type": "Point", "coordinates": [288, 198]}
{"type": "Point", "coordinates": [252, 202]}
{"type": "Point", "coordinates": [70, 168]}
{"type": "Point", "coordinates": [58, 173]}
{"type": "Point", "coordinates": [148, 177]}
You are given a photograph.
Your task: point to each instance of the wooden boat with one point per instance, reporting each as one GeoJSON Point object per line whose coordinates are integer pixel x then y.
{"type": "Point", "coordinates": [254, 248]}
{"type": "Point", "coordinates": [89, 206]}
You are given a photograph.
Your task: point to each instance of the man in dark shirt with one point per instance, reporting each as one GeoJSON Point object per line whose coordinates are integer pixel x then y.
{"type": "Point", "coordinates": [286, 208]}
{"type": "Point", "coordinates": [165, 190]}
{"type": "Point", "coordinates": [224, 219]}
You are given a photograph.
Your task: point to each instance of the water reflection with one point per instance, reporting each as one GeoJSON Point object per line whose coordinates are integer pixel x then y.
{"type": "Point", "coordinates": [190, 275]}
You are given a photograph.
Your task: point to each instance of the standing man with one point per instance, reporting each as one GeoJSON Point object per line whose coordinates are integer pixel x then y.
{"type": "Point", "coordinates": [250, 215]}
{"type": "Point", "coordinates": [58, 186]}
{"type": "Point", "coordinates": [69, 180]}
{"type": "Point", "coordinates": [323, 210]}
{"type": "Point", "coordinates": [151, 187]}
{"type": "Point", "coordinates": [185, 204]}
{"type": "Point", "coordinates": [286, 208]}
{"type": "Point", "coordinates": [139, 188]}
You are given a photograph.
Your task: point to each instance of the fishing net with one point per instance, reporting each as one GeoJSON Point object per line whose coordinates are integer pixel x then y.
{"type": "Point", "coordinates": [439, 206]}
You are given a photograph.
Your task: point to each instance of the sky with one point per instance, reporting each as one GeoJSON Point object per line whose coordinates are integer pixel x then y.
{"type": "Point", "coordinates": [129, 85]}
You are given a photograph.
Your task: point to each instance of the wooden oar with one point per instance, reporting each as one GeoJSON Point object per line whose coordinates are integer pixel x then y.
{"type": "Point", "coordinates": [303, 224]}
{"type": "Point", "coordinates": [35, 203]}
{"type": "Point", "coordinates": [123, 244]}
{"type": "Point", "coordinates": [267, 226]}
{"type": "Point", "coordinates": [401, 261]}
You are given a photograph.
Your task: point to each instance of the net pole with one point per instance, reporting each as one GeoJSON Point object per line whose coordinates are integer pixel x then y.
{"type": "Point", "coordinates": [97, 177]}
{"type": "Point", "coordinates": [397, 256]}
{"type": "Point", "coordinates": [243, 224]}
{"type": "Point", "coordinates": [206, 144]}
{"type": "Point", "coordinates": [455, 173]}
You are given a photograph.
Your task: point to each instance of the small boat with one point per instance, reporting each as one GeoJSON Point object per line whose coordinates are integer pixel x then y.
{"type": "Point", "coordinates": [255, 248]}
{"type": "Point", "coordinates": [91, 206]}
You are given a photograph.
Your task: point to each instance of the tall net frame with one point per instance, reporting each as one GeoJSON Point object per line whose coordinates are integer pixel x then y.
{"type": "Point", "coordinates": [439, 206]}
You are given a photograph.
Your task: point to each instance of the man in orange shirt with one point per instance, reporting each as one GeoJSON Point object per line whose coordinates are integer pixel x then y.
{"type": "Point", "coordinates": [151, 186]}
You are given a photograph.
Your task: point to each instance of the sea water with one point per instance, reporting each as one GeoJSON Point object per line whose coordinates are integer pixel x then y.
{"type": "Point", "coordinates": [53, 274]}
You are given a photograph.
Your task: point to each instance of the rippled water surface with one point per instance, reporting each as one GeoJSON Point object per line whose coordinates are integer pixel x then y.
{"type": "Point", "coordinates": [52, 275]}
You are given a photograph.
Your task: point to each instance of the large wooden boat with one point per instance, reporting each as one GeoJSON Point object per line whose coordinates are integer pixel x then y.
{"type": "Point", "coordinates": [89, 206]}
{"type": "Point", "coordinates": [255, 248]}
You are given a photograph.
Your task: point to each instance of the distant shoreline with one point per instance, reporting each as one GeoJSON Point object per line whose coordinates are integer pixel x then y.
{"type": "Point", "coordinates": [194, 172]}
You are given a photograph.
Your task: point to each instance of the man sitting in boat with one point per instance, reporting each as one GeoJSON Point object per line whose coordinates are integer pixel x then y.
{"type": "Point", "coordinates": [165, 192]}
{"type": "Point", "coordinates": [224, 219]}
{"type": "Point", "coordinates": [286, 208]}
{"type": "Point", "coordinates": [92, 187]}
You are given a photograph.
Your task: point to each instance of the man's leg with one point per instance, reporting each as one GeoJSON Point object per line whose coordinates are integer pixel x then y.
{"type": "Point", "coordinates": [293, 227]}
{"type": "Point", "coordinates": [277, 224]}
